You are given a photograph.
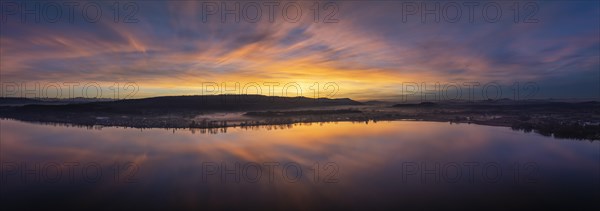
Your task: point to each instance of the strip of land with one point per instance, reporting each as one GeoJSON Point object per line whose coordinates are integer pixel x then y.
{"type": "Point", "coordinates": [574, 120]}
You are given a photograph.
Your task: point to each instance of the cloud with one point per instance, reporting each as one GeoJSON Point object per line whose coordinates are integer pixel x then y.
{"type": "Point", "coordinates": [370, 48]}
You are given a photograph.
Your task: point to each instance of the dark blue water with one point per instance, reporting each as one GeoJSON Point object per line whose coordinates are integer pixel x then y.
{"type": "Point", "coordinates": [394, 165]}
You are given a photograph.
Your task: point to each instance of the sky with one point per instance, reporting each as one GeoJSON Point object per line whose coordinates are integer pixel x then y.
{"type": "Point", "coordinates": [384, 50]}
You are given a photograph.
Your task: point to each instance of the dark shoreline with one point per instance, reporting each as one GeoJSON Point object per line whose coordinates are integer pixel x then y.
{"type": "Point", "coordinates": [214, 126]}
{"type": "Point", "coordinates": [579, 121]}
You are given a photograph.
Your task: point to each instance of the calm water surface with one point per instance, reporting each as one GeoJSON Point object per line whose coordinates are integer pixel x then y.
{"type": "Point", "coordinates": [402, 164]}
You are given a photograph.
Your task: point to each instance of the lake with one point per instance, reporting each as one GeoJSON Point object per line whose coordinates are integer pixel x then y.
{"type": "Point", "coordinates": [397, 164]}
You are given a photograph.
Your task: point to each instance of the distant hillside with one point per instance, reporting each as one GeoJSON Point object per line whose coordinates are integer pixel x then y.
{"type": "Point", "coordinates": [17, 100]}
{"type": "Point", "coordinates": [423, 104]}
{"type": "Point", "coordinates": [175, 104]}
{"type": "Point", "coordinates": [376, 102]}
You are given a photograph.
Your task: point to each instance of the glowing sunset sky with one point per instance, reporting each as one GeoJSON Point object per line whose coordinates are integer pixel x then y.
{"type": "Point", "coordinates": [369, 53]}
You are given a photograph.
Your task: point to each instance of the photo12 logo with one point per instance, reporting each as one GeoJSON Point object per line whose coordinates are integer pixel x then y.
{"type": "Point", "coordinates": [469, 11]}
{"type": "Point", "coordinates": [255, 11]}
{"type": "Point", "coordinates": [14, 173]}
{"type": "Point", "coordinates": [268, 172]}
{"type": "Point", "coordinates": [469, 172]}
{"type": "Point", "coordinates": [68, 11]}
{"type": "Point", "coordinates": [467, 91]}
{"type": "Point", "coordinates": [69, 90]}
{"type": "Point", "coordinates": [315, 90]}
